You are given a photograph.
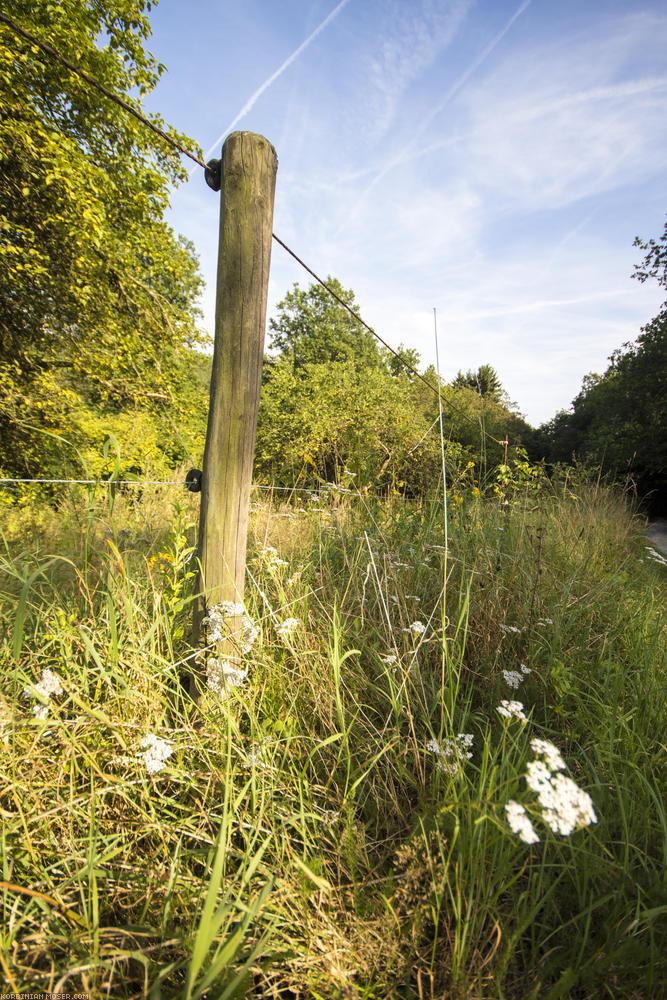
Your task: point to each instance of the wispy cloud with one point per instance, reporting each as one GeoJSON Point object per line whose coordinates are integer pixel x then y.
{"type": "Point", "coordinates": [274, 76]}
{"type": "Point", "coordinates": [407, 152]}
{"type": "Point", "coordinates": [415, 34]}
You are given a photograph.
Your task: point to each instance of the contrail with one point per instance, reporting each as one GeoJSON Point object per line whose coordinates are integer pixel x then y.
{"type": "Point", "coordinates": [281, 69]}
{"type": "Point", "coordinates": [406, 152]}
{"type": "Point", "coordinates": [456, 86]}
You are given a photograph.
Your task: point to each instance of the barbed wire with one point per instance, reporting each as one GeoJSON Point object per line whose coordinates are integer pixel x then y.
{"type": "Point", "coordinates": [49, 50]}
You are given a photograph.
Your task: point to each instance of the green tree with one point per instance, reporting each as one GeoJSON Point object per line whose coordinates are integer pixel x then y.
{"type": "Point", "coordinates": [97, 294]}
{"type": "Point", "coordinates": [484, 381]}
{"type": "Point", "coordinates": [401, 363]}
{"type": "Point", "coordinates": [312, 328]}
{"type": "Point", "coordinates": [618, 418]}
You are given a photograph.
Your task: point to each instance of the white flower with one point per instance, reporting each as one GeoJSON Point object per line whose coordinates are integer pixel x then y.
{"type": "Point", "coordinates": [525, 669]}
{"type": "Point", "coordinates": [511, 709]}
{"type": "Point", "coordinates": [511, 628]}
{"type": "Point", "coordinates": [545, 621]}
{"type": "Point", "coordinates": [50, 684]}
{"type": "Point", "coordinates": [272, 557]}
{"type": "Point", "coordinates": [250, 634]}
{"type": "Point", "coordinates": [451, 753]}
{"type": "Point", "coordinates": [221, 674]}
{"type": "Point", "coordinates": [283, 628]}
{"type": "Point", "coordinates": [390, 659]}
{"type": "Point", "coordinates": [417, 628]}
{"type": "Point", "coordinates": [655, 555]}
{"type": "Point", "coordinates": [156, 752]}
{"type": "Point", "coordinates": [565, 807]}
{"type": "Point", "coordinates": [519, 822]}
{"type": "Point", "coordinates": [538, 775]}
{"type": "Point", "coordinates": [551, 754]}
{"type": "Point", "coordinates": [513, 678]}
{"type": "Point", "coordinates": [217, 630]}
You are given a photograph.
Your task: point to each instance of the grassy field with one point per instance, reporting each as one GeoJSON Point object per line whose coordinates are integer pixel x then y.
{"type": "Point", "coordinates": [337, 824]}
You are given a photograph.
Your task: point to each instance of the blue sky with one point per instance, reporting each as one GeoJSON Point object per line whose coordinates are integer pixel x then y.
{"type": "Point", "coordinates": [492, 159]}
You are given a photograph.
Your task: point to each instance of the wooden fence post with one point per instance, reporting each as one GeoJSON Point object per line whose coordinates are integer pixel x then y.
{"type": "Point", "coordinates": [248, 179]}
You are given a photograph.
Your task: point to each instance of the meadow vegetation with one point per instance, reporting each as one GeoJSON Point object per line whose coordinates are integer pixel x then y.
{"type": "Point", "coordinates": [336, 825]}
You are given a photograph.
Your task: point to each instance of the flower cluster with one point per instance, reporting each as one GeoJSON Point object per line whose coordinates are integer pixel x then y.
{"type": "Point", "coordinates": [284, 628]}
{"type": "Point", "coordinates": [519, 822]}
{"type": "Point", "coordinates": [565, 807]}
{"type": "Point", "coordinates": [451, 753]}
{"type": "Point", "coordinates": [272, 558]}
{"type": "Point", "coordinates": [217, 630]}
{"type": "Point", "coordinates": [256, 755]}
{"type": "Point", "coordinates": [49, 685]}
{"type": "Point", "coordinates": [222, 674]}
{"type": "Point", "coordinates": [551, 754]}
{"type": "Point", "coordinates": [511, 709]}
{"type": "Point", "coordinates": [156, 752]}
{"type": "Point", "coordinates": [544, 621]}
{"type": "Point", "coordinates": [515, 678]}
{"type": "Point", "coordinates": [511, 628]}
{"type": "Point", "coordinates": [417, 628]}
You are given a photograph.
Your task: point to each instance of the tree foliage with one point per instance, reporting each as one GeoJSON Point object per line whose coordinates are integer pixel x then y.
{"type": "Point", "coordinates": [334, 404]}
{"type": "Point", "coordinates": [619, 418]}
{"type": "Point", "coordinates": [97, 294]}
{"type": "Point", "coordinates": [484, 381]}
{"type": "Point", "coordinates": [312, 328]}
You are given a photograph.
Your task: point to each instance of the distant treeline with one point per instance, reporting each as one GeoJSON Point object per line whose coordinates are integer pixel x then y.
{"type": "Point", "coordinates": [618, 422]}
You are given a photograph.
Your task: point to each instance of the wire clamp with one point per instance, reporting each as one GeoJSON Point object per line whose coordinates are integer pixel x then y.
{"type": "Point", "coordinates": [193, 480]}
{"type": "Point", "coordinates": [213, 174]}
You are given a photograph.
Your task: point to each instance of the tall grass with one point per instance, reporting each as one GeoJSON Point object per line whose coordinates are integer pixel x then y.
{"type": "Point", "coordinates": [302, 840]}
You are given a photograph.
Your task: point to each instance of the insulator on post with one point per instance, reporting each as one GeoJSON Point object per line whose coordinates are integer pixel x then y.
{"type": "Point", "coordinates": [213, 174]}
{"type": "Point", "coordinates": [193, 480]}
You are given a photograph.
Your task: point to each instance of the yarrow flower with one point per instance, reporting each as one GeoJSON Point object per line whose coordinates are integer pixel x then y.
{"type": "Point", "coordinates": [519, 822]}
{"type": "Point", "coordinates": [417, 628]}
{"type": "Point", "coordinates": [565, 806]}
{"type": "Point", "coordinates": [511, 709]}
{"type": "Point", "coordinates": [156, 752]}
{"type": "Point", "coordinates": [525, 669]}
{"type": "Point", "coordinates": [451, 753]}
{"type": "Point", "coordinates": [217, 630]}
{"type": "Point", "coordinates": [271, 556]}
{"type": "Point", "coordinates": [222, 674]}
{"type": "Point", "coordinates": [284, 628]}
{"type": "Point", "coordinates": [511, 628]}
{"type": "Point", "coordinates": [551, 754]}
{"type": "Point", "coordinates": [49, 685]}
{"type": "Point", "coordinates": [545, 621]}
{"type": "Point", "coordinates": [513, 678]}
{"type": "Point", "coordinates": [390, 659]}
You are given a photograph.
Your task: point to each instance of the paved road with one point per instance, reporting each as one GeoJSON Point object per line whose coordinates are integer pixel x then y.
{"type": "Point", "coordinates": [657, 534]}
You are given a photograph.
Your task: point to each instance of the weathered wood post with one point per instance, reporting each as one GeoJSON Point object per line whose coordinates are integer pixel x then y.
{"type": "Point", "coordinates": [247, 186]}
